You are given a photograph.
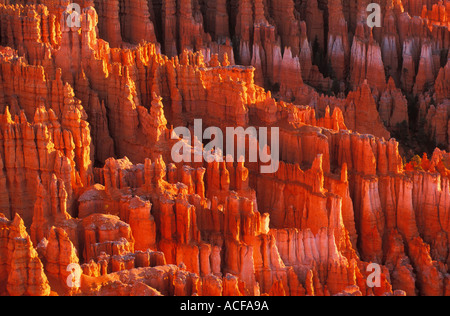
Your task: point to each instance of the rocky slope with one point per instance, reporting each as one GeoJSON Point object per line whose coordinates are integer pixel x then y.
{"type": "Point", "coordinates": [87, 119]}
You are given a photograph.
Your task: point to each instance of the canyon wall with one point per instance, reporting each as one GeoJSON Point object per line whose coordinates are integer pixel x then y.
{"type": "Point", "coordinates": [88, 116]}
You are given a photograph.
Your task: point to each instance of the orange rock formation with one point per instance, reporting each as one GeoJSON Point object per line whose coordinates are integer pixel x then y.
{"type": "Point", "coordinates": [87, 118]}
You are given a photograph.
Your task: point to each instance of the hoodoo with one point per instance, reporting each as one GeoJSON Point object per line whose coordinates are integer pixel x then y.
{"type": "Point", "coordinates": [118, 175]}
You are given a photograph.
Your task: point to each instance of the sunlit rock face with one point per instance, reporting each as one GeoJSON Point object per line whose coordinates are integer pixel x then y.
{"type": "Point", "coordinates": [92, 201]}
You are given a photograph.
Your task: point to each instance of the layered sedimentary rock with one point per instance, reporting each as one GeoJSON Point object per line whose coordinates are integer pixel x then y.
{"type": "Point", "coordinates": [89, 116]}
{"type": "Point", "coordinates": [366, 62]}
{"type": "Point", "coordinates": [338, 46]}
{"type": "Point", "coordinates": [59, 254]}
{"type": "Point", "coordinates": [21, 270]}
{"type": "Point", "coordinates": [38, 153]}
{"type": "Point", "coordinates": [393, 106]}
